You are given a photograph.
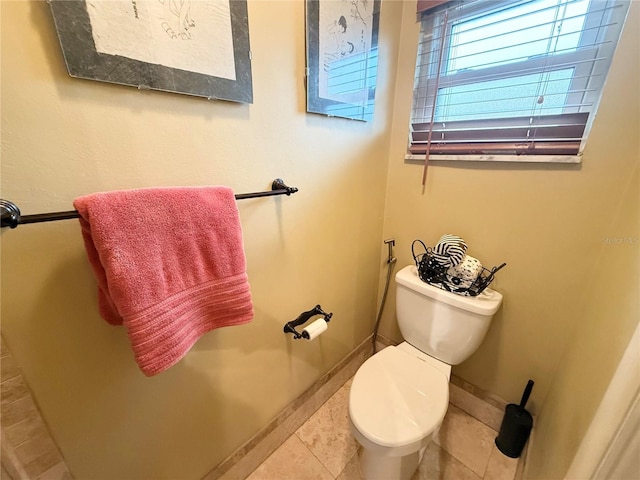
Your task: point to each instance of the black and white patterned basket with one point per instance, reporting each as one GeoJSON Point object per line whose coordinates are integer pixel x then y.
{"type": "Point", "coordinates": [431, 271]}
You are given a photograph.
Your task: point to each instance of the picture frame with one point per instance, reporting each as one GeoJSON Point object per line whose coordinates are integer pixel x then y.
{"type": "Point", "coordinates": [198, 48]}
{"type": "Point", "coordinates": [342, 57]}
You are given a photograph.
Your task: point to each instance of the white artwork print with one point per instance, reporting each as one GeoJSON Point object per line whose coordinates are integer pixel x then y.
{"type": "Point", "coordinates": [191, 35]}
{"type": "Point", "coordinates": [345, 31]}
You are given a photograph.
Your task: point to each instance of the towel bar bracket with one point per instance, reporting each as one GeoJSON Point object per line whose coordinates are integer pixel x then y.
{"type": "Point", "coordinates": [11, 216]}
{"type": "Point", "coordinates": [278, 184]}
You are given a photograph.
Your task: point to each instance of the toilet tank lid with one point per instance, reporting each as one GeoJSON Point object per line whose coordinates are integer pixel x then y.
{"type": "Point", "coordinates": [487, 303]}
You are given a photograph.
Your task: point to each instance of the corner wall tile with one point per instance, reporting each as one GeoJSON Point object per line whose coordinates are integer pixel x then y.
{"type": "Point", "coordinates": [18, 411]}
{"type": "Point", "coordinates": [24, 430]}
{"type": "Point", "coordinates": [28, 450]}
{"type": "Point", "coordinates": [57, 472]}
{"type": "Point", "coordinates": [13, 389]}
{"type": "Point", "coordinates": [476, 407]}
{"type": "Point", "coordinates": [8, 368]}
{"type": "Point", "coordinates": [35, 447]}
{"type": "Point", "coordinates": [42, 463]}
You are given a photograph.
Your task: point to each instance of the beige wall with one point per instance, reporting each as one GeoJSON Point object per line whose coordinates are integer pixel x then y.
{"type": "Point", "coordinates": [64, 137]}
{"type": "Point", "coordinates": [607, 322]}
{"type": "Point", "coordinates": [570, 295]}
{"type": "Point", "coordinates": [610, 306]}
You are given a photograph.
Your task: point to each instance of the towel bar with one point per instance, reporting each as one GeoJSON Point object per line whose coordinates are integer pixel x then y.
{"type": "Point", "coordinates": [11, 213]}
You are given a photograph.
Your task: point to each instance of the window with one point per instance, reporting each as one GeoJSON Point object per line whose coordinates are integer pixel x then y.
{"type": "Point", "coordinates": [496, 77]}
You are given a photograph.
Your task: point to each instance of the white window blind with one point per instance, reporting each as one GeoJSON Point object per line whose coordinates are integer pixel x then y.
{"type": "Point", "coordinates": [511, 77]}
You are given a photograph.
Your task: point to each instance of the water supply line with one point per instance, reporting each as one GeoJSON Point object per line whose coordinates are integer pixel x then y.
{"type": "Point", "coordinates": [391, 260]}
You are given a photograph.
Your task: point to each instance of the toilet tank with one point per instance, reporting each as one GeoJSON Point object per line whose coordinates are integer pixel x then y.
{"type": "Point", "coordinates": [442, 324]}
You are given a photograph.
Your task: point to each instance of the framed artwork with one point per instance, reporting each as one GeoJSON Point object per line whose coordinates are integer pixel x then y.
{"type": "Point", "coordinates": [193, 47]}
{"type": "Point", "coordinates": [342, 57]}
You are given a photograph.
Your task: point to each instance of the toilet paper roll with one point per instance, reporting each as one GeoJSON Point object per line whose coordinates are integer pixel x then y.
{"type": "Point", "coordinates": [314, 329]}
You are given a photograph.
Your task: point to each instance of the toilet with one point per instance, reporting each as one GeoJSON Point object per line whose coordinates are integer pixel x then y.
{"type": "Point", "coordinates": [399, 396]}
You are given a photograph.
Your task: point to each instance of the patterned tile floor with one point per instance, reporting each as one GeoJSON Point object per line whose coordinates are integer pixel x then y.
{"type": "Point", "coordinates": [324, 449]}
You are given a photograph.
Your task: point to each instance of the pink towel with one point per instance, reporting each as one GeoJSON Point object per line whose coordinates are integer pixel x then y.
{"type": "Point", "coordinates": [170, 266]}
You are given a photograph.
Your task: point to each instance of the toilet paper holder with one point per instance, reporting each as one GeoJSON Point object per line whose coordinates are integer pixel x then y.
{"type": "Point", "coordinates": [289, 327]}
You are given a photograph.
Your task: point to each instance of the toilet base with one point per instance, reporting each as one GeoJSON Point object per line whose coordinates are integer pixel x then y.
{"type": "Point", "coordinates": [379, 467]}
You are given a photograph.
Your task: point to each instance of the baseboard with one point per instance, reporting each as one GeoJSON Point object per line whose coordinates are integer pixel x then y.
{"type": "Point", "coordinates": [250, 455]}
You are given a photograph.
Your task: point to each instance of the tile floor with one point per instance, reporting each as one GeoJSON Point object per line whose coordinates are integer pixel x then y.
{"type": "Point", "coordinates": [324, 449]}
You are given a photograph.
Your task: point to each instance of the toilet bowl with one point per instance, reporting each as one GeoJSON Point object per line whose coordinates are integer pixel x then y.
{"type": "Point", "coordinates": [399, 396]}
{"type": "Point", "coordinates": [397, 402]}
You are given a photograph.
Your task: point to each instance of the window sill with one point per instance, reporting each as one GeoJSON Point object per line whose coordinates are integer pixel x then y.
{"type": "Point", "coordinates": [499, 158]}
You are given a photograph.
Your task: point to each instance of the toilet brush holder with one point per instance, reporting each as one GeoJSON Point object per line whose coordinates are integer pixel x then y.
{"type": "Point", "coordinates": [516, 426]}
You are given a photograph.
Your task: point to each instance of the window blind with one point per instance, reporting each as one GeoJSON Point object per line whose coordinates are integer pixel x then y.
{"type": "Point", "coordinates": [511, 77]}
{"type": "Point", "coordinates": [424, 5]}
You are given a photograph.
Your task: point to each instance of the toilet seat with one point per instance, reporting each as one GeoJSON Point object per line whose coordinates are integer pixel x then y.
{"type": "Point", "coordinates": [397, 400]}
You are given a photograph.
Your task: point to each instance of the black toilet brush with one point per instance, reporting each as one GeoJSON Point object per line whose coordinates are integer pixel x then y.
{"type": "Point", "coordinates": [516, 426]}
